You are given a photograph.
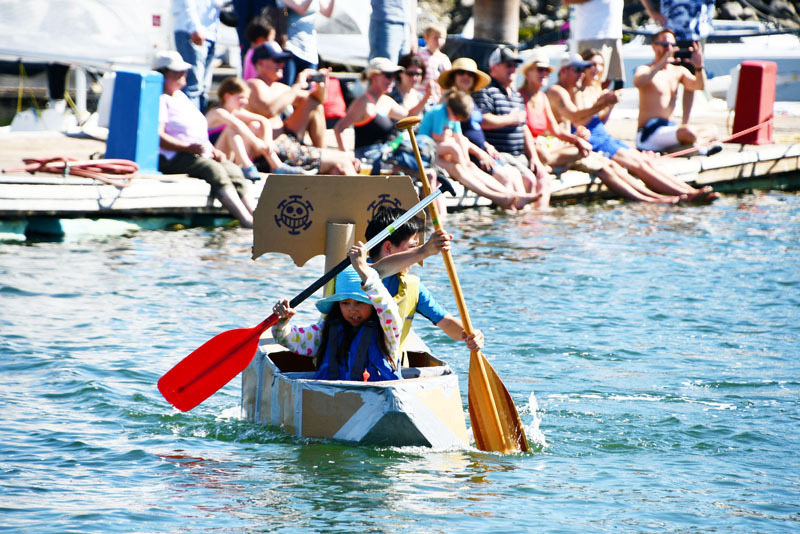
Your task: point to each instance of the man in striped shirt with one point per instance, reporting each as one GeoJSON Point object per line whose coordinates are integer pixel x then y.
{"type": "Point", "coordinates": [504, 123]}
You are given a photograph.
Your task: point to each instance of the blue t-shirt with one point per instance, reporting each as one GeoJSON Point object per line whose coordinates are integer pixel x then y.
{"type": "Point", "coordinates": [435, 121]}
{"type": "Point", "coordinates": [426, 305]}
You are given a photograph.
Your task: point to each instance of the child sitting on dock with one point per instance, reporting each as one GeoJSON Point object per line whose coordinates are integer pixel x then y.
{"type": "Point", "coordinates": [244, 134]}
{"type": "Point", "coordinates": [359, 338]}
{"type": "Point", "coordinates": [392, 259]}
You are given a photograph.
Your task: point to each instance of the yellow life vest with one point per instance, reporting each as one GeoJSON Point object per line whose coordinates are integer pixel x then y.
{"type": "Point", "coordinates": [406, 299]}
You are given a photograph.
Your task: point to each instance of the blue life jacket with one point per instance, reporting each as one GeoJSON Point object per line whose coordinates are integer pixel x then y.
{"type": "Point", "coordinates": [364, 353]}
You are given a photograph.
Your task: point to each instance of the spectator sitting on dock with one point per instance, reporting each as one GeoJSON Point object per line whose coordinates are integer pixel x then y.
{"type": "Point", "coordinates": [405, 90]}
{"type": "Point", "coordinates": [393, 258]}
{"type": "Point", "coordinates": [246, 135]}
{"type": "Point", "coordinates": [465, 76]}
{"type": "Point", "coordinates": [184, 144]}
{"type": "Point", "coordinates": [504, 124]}
{"type": "Point", "coordinates": [298, 106]}
{"type": "Point", "coordinates": [658, 88]}
{"type": "Point", "coordinates": [584, 111]}
{"type": "Point", "coordinates": [442, 123]}
{"type": "Point", "coordinates": [273, 99]}
{"type": "Point", "coordinates": [558, 147]}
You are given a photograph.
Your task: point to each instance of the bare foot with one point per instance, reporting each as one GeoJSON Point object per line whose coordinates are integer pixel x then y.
{"type": "Point", "coordinates": [525, 199]}
{"type": "Point", "coordinates": [697, 194]}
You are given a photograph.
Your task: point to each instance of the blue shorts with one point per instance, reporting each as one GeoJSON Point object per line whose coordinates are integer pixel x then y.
{"type": "Point", "coordinates": [601, 140]}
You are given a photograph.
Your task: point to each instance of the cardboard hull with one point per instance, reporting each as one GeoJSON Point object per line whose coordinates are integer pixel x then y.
{"type": "Point", "coordinates": [422, 410]}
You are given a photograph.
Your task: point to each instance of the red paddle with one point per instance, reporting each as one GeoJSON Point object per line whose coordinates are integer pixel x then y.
{"type": "Point", "coordinates": [206, 370]}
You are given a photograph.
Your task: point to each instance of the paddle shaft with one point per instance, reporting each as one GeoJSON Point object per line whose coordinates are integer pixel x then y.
{"type": "Point", "coordinates": [506, 443]}
{"type": "Point", "coordinates": [324, 279]}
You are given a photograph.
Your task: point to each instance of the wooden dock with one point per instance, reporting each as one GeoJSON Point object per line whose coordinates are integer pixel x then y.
{"type": "Point", "coordinates": [44, 203]}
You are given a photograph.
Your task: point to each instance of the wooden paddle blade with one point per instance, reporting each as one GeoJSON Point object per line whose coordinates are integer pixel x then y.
{"type": "Point", "coordinates": [211, 366]}
{"type": "Point", "coordinates": [495, 421]}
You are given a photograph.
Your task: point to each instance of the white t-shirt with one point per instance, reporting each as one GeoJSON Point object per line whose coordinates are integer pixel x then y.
{"type": "Point", "coordinates": [182, 120]}
{"type": "Point", "coordinates": [597, 19]}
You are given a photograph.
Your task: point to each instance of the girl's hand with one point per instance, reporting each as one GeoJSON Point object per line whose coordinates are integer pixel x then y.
{"type": "Point", "coordinates": [282, 310]}
{"type": "Point", "coordinates": [358, 258]}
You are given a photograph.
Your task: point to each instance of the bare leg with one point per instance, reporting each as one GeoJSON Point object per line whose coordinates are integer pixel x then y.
{"type": "Point", "coordinates": [687, 102]}
{"type": "Point", "coordinates": [493, 191]}
{"type": "Point", "coordinates": [656, 180]}
{"type": "Point", "coordinates": [230, 199]}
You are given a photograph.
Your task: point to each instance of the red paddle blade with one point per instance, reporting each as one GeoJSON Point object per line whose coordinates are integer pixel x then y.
{"type": "Point", "coordinates": [206, 370]}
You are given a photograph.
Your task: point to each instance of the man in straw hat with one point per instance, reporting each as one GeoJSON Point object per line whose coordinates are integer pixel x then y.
{"type": "Point", "coordinates": [504, 123]}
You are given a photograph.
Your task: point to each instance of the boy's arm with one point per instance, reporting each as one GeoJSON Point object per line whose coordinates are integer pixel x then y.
{"type": "Point", "coordinates": [395, 263]}
{"type": "Point", "coordinates": [452, 327]}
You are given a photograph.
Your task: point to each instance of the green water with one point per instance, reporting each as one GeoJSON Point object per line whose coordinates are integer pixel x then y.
{"type": "Point", "coordinates": [652, 352]}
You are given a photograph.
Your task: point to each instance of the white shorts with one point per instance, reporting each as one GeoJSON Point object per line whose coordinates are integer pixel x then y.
{"type": "Point", "coordinates": [662, 138]}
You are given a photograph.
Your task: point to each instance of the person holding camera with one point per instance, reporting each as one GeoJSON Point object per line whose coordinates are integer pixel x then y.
{"type": "Point", "coordinates": [658, 84]}
{"type": "Point", "coordinates": [691, 21]}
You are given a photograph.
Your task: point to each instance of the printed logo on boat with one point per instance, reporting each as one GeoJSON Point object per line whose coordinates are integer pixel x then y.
{"type": "Point", "coordinates": [294, 214]}
{"type": "Point", "coordinates": [381, 201]}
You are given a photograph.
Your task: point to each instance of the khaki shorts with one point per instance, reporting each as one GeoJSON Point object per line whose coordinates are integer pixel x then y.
{"type": "Point", "coordinates": [612, 55]}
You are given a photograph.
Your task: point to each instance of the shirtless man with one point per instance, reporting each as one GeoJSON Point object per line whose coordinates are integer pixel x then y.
{"type": "Point", "coordinates": [569, 104]}
{"type": "Point", "coordinates": [272, 98]}
{"type": "Point", "coordinates": [658, 89]}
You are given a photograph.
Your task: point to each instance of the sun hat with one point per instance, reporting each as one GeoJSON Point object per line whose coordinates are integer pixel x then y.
{"type": "Point", "coordinates": [573, 60]}
{"type": "Point", "coordinates": [269, 50]}
{"type": "Point", "coordinates": [448, 77]}
{"type": "Point", "coordinates": [537, 59]}
{"type": "Point", "coordinates": [381, 64]}
{"type": "Point", "coordinates": [503, 54]}
{"type": "Point", "coordinates": [170, 60]}
{"type": "Point", "coordinates": [348, 286]}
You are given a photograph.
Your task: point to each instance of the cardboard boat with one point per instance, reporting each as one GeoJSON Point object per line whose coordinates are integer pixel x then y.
{"type": "Point", "coordinates": [423, 409]}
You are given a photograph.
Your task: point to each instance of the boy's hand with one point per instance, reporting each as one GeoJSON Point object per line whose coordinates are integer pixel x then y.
{"type": "Point", "coordinates": [283, 310]}
{"type": "Point", "coordinates": [438, 241]}
{"type": "Point", "coordinates": [474, 340]}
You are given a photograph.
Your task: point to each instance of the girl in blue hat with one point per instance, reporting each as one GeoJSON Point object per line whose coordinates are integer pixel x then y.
{"type": "Point", "coordinates": [359, 338]}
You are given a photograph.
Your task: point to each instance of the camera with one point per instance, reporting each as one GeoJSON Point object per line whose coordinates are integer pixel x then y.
{"type": "Point", "coordinates": [617, 85]}
{"type": "Point", "coordinates": [683, 54]}
{"type": "Point", "coordinates": [317, 77]}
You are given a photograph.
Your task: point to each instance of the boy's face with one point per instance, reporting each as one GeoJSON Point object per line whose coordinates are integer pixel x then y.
{"type": "Point", "coordinates": [435, 41]}
{"type": "Point", "coordinates": [408, 244]}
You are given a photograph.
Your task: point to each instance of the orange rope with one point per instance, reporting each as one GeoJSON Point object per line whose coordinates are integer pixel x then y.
{"type": "Point", "coordinates": [725, 140]}
{"type": "Point", "coordinates": [116, 172]}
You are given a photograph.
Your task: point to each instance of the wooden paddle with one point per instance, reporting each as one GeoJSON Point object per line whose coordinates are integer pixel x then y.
{"type": "Point", "coordinates": [495, 421]}
{"type": "Point", "coordinates": [206, 370]}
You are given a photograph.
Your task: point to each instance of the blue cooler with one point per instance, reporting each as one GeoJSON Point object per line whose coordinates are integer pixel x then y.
{"type": "Point", "coordinates": [133, 124]}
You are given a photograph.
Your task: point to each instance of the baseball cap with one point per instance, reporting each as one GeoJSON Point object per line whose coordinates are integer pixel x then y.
{"type": "Point", "coordinates": [573, 60]}
{"type": "Point", "coordinates": [269, 50]}
{"type": "Point", "coordinates": [503, 54]}
{"type": "Point", "coordinates": [170, 60]}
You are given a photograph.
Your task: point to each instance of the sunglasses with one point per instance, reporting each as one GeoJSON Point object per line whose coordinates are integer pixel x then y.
{"type": "Point", "coordinates": [543, 69]}
{"type": "Point", "coordinates": [511, 64]}
{"type": "Point", "coordinates": [414, 73]}
{"type": "Point", "coordinates": [665, 44]}
{"type": "Point", "coordinates": [461, 72]}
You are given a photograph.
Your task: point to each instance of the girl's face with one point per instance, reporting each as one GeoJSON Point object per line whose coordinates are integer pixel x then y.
{"type": "Point", "coordinates": [236, 101]}
{"type": "Point", "coordinates": [464, 80]}
{"type": "Point", "coordinates": [595, 70]}
{"type": "Point", "coordinates": [410, 77]}
{"type": "Point", "coordinates": [355, 312]}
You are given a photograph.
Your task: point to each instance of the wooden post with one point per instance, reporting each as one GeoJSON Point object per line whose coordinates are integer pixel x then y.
{"type": "Point", "coordinates": [497, 20]}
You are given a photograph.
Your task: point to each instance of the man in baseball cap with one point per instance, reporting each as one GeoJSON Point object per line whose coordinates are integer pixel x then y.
{"type": "Point", "coordinates": [503, 54]}
{"type": "Point", "coordinates": [573, 60]}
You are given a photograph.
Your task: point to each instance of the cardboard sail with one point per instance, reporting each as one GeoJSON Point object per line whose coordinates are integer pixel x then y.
{"type": "Point", "coordinates": [293, 211]}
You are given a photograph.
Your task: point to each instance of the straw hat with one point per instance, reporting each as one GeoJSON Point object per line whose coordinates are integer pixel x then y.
{"type": "Point", "coordinates": [348, 286]}
{"type": "Point", "coordinates": [447, 78]}
{"type": "Point", "coordinates": [537, 59]}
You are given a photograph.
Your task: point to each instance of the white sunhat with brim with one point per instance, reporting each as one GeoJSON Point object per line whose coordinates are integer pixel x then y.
{"type": "Point", "coordinates": [170, 60]}
{"type": "Point", "coordinates": [537, 58]}
{"type": "Point", "coordinates": [348, 286]}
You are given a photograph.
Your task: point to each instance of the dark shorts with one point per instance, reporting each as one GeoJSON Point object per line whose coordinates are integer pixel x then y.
{"type": "Point", "coordinates": [292, 152]}
{"type": "Point", "coordinates": [219, 174]}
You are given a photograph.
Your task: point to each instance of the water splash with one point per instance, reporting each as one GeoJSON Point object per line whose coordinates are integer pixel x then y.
{"type": "Point", "coordinates": [535, 435]}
